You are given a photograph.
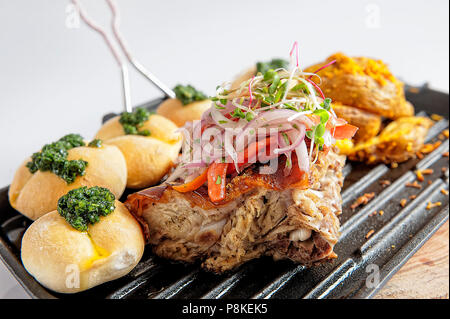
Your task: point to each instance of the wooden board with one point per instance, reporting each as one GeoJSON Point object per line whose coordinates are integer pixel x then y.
{"type": "Point", "coordinates": [426, 274]}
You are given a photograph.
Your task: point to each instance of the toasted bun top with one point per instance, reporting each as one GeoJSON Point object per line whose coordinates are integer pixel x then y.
{"type": "Point", "coordinates": [178, 113]}
{"type": "Point", "coordinates": [37, 194]}
{"type": "Point", "coordinates": [67, 260]}
{"type": "Point", "coordinates": [148, 158]}
{"type": "Point", "coordinates": [160, 128]}
{"type": "Point", "coordinates": [243, 76]}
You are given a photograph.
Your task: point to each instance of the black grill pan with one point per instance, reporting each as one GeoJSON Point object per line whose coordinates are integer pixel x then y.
{"type": "Point", "coordinates": [398, 234]}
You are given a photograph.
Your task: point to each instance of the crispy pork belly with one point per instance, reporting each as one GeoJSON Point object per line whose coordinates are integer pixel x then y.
{"type": "Point", "coordinates": [287, 217]}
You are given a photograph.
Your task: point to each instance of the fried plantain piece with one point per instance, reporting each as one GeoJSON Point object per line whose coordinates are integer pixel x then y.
{"type": "Point", "coordinates": [369, 124]}
{"type": "Point", "coordinates": [398, 142]}
{"type": "Point", "coordinates": [363, 83]}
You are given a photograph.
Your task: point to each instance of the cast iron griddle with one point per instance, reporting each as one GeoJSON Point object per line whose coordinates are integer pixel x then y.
{"type": "Point", "coordinates": [398, 234]}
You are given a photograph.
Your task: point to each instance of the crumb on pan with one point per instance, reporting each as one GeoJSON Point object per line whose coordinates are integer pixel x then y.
{"type": "Point", "coordinates": [403, 202]}
{"type": "Point", "coordinates": [436, 117]}
{"type": "Point", "coordinates": [415, 185]}
{"type": "Point", "coordinates": [381, 212]}
{"type": "Point", "coordinates": [421, 172]}
{"type": "Point", "coordinates": [444, 191]}
{"type": "Point", "coordinates": [431, 205]}
{"type": "Point", "coordinates": [445, 154]}
{"type": "Point", "coordinates": [445, 133]}
{"type": "Point", "coordinates": [370, 233]}
{"type": "Point", "coordinates": [430, 147]}
{"type": "Point", "coordinates": [412, 197]}
{"type": "Point", "coordinates": [362, 200]}
{"type": "Point", "coordinates": [385, 182]}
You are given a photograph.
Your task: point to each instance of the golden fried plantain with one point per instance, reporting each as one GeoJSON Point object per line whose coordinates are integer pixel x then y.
{"type": "Point", "coordinates": [363, 83]}
{"type": "Point", "coordinates": [398, 142]}
{"type": "Point", "coordinates": [369, 124]}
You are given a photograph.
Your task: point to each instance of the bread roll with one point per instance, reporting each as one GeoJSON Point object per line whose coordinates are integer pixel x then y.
{"type": "Point", "coordinates": [242, 77]}
{"type": "Point", "coordinates": [36, 194]}
{"type": "Point", "coordinates": [148, 158]}
{"type": "Point", "coordinates": [66, 260]}
{"type": "Point", "coordinates": [178, 113]}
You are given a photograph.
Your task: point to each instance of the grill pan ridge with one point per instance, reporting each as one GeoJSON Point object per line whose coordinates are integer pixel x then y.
{"type": "Point", "coordinates": [397, 235]}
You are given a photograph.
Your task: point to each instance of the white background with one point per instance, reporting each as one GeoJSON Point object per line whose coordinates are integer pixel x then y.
{"type": "Point", "coordinates": [56, 80]}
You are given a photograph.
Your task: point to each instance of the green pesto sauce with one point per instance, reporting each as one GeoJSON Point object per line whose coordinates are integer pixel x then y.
{"type": "Point", "coordinates": [132, 121]}
{"type": "Point", "coordinates": [83, 206]}
{"type": "Point", "coordinates": [53, 158]}
{"type": "Point", "coordinates": [263, 67]}
{"type": "Point", "coordinates": [95, 143]}
{"type": "Point", "coordinates": [188, 94]}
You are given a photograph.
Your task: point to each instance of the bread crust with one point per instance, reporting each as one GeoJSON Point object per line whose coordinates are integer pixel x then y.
{"type": "Point", "coordinates": [56, 254]}
{"type": "Point", "coordinates": [178, 113]}
{"type": "Point", "coordinates": [34, 195]}
{"type": "Point", "coordinates": [243, 76]}
{"type": "Point", "coordinates": [148, 158]}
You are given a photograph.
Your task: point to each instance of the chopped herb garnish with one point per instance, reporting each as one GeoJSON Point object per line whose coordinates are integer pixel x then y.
{"type": "Point", "coordinates": [83, 206]}
{"type": "Point", "coordinates": [53, 158]}
{"type": "Point", "coordinates": [223, 121]}
{"type": "Point", "coordinates": [263, 67]}
{"type": "Point", "coordinates": [95, 143]}
{"type": "Point", "coordinates": [188, 94]}
{"type": "Point", "coordinates": [218, 180]}
{"type": "Point", "coordinates": [132, 121]}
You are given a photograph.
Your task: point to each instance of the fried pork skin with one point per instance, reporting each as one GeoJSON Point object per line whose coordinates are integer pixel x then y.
{"type": "Point", "coordinates": [363, 83]}
{"type": "Point", "coordinates": [259, 217]}
{"type": "Point", "coordinates": [368, 124]}
{"type": "Point", "coordinates": [399, 141]}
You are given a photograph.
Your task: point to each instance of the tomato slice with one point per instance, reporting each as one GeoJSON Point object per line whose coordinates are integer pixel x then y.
{"type": "Point", "coordinates": [344, 131]}
{"type": "Point", "coordinates": [251, 151]}
{"type": "Point", "coordinates": [194, 184]}
{"type": "Point", "coordinates": [217, 174]}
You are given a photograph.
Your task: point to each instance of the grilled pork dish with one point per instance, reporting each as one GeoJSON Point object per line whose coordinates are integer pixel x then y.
{"type": "Point", "coordinates": [258, 175]}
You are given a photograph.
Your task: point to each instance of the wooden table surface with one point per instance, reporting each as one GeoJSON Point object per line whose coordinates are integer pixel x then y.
{"type": "Point", "coordinates": [426, 274]}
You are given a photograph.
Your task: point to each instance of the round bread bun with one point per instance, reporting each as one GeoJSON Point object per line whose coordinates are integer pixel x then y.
{"type": "Point", "coordinates": [178, 113]}
{"type": "Point", "coordinates": [242, 77]}
{"type": "Point", "coordinates": [148, 158]}
{"type": "Point", "coordinates": [36, 194]}
{"type": "Point", "coordinates": [66, 260]}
